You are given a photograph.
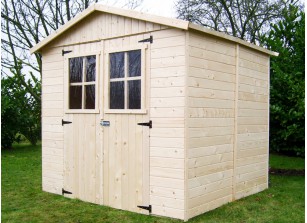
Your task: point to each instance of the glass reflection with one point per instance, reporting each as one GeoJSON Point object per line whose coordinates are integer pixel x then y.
{"type": "Point", "coordinates": [117, 95]}
{"type": "Point", "coordinates": [75, 96]}
{"type": "Point", "coordinates": [90, 97]}
{"type": "Point", "coordinates": [117, 64]}
{"type": "Point", "coordinates": [90, 68]}
{"type": "Point", "coordinates": [134, 63]}
{"type": "Point", "coordinates": [75, 69]}
{"type": "Point", "coordinates": [134, 94]}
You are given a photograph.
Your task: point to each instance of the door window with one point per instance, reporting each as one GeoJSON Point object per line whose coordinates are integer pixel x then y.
{"type": "Point", "coordinates": [82, 82]}
{"type": "Point", "coordinates": [125, 80]}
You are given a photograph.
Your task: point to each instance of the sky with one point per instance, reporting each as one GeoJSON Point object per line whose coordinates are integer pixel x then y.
{"type": "Point", "coordinates": [159, 7]}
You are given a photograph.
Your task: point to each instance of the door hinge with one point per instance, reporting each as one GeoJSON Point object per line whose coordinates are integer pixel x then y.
{"type": "Point", "coordinates": [149, 124]}
{"type": "Point", "coordinates": [67, 51]}
{"type": "Point", "coordinates": [150, 39]}
{"type": "Point", "coordinates": [65, 122]}
{"type": "Point", "coordinates": [145, 207]}
{"type": "Point", "coordinates": [65, 192]}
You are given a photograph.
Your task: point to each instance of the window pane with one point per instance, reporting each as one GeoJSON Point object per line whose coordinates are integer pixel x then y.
{"type": "Point", "coordinates": [134, 94]}
{"type": "Point", "coordinates": [90, 97]}
{"type": "Point", "coordinates": [117, 64]}
{"type": "Point", "coordinates": [117, 95]}
{"type": "Point", "coordinates": [75, 69]}
{"type": "Point", "coordinates": [90, 68]}
{"type": "Point", "coordinates": [75, 97]}
{"type": "Point", "coordinates": [134, 63]}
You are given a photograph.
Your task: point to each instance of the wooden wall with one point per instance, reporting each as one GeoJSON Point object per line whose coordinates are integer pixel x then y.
{"type": "Point", "coordinates": [167, 96]}
{"type": "Point", "coordinates": [210, 123]}
{"type": "Point", "coordinates": [52, 114]}
{"type": "Point", "coordinates": [252, 125]}
{"type": "Point", "coordinates": [82, 37]}
{"type": "Point", "coordinates": [53, 165]}
{"type": "Point", "coordinates": [227, 123]}
{"type": "Point", "coordinates": [98, 26]}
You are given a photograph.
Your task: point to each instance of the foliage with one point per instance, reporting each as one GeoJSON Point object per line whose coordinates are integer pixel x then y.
{"type": "Point", "coordinates": [9, 115]}
{"type": "Point", "coordinates": [24, 201]}
{"type": "Point", "coordinates": [244, 19]}
{"type": "Point", "coordinates": [20, 112]}
{"type": "Point", "coordinates": [287, 99]}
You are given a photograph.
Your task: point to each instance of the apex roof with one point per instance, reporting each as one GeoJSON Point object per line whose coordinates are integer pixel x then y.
{"type": "Point", "coordinates": [176, 23]}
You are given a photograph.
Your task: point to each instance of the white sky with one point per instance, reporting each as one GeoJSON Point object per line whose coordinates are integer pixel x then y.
{"type": "Point", "coordinates": [159, 7]}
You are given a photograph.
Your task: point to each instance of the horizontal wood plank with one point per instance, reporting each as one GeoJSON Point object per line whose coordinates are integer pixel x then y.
{"type": "Point", "coordinates": [167, 192]}
{"type": "Point", "coordinates": [208, 151]}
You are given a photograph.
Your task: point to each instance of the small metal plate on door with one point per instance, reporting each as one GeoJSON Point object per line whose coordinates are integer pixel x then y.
{"type": "Point", "coordinates": [105, 123]}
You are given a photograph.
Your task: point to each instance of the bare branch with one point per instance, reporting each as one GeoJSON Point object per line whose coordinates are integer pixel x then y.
{"type": "Point", "coordinates": [240, 18]}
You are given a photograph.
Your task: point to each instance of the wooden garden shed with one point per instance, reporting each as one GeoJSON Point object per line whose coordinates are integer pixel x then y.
{"type": "Point", "coordinates": [151, 114]}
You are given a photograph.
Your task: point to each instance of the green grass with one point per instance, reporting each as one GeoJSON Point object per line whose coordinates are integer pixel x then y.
{"type": "Point", "coordinates": [286, 162]}
{"type": "Point", "coordinates": [24, 201]}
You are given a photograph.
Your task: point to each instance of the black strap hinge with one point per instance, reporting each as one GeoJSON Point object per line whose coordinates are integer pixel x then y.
{"type": "Point", "coordinates": [146, 208]}
{"type": "Point", "coordinates": [65, 122]}
{"type": "Point", "coordinates": [150, 39]}
{"type": "Point", "coordinates": [67, 51]}
{"type": "Point", "coordinates": [65, 192]}
{"type": "Point", "coordinates": [149, 124]}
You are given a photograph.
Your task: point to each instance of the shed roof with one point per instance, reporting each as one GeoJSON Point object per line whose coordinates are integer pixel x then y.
{"type": "Point", "coordinates": [176, 23]}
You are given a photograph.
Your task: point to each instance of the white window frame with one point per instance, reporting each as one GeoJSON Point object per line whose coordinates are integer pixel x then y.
{"type": "Point", "coordinates": [143, 109]}
{"type": "Point", "coordinates": [83, 84]}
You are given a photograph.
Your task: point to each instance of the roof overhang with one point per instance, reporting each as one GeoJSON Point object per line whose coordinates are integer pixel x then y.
{"type": "Point", "coordinates": [175, 23]}
{"type": "Point", "coordinates": [231, 38]}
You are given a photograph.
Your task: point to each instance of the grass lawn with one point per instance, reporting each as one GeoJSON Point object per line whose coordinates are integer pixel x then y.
{"type": "Point", "coordinates": [24, 201]}
{"type": "Point", "coordinates": [285, 162]}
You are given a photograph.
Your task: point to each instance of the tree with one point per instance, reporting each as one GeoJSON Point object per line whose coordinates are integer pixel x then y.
{"type": "Point", "coordinates": [9, 116]}
{"type": "Point", "coordinates": [287, 96]}
{"type": "Point", "coordinates": [19, 112]}
{"type": "Point", "coordinates": [244, 19]}
{"type": "Point", "coordinates": [25, 23]}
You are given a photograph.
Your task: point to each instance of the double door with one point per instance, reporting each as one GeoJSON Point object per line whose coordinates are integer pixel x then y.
{"type": "Point", "coordinates": [106, 154]}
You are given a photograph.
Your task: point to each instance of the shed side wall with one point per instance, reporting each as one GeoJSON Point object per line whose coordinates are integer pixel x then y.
{"type": "Point", "coordinates": [253, 116]}
{"type": "Point", "coordinates": [211, 95]}
{"type": "Point", "coordinates": [167, 97]}
{"type": "Point", "coordinates": [52, 114]}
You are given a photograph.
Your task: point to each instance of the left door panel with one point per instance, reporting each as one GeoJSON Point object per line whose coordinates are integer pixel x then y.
{"type": "Point", "coordinates": [82, 137]}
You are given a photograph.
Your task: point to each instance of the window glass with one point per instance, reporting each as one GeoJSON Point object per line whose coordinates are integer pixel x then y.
{"type": "Point", "coordinates": [82, 77]}
{"type": "Point", "coordinates": [134, 63]}
{"type": "Point", "coordinates": [90, 97]}
{"type": "Point", "coordinates": [75, 69]}
{"type": "Point", "coordinates": [117, 64]}
{"type": "Point", "coordinates": [126, 92]}
{"type": "Point", "coordinates": [75, 96]}
{"type": "Point", "coordinates": [134, 94]}
{"type": "Point", "coordinates": [90, 68]}
{"type": "Point", "coordinates": [117, 95]}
